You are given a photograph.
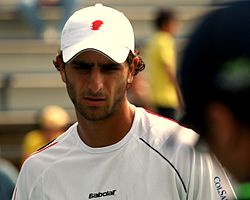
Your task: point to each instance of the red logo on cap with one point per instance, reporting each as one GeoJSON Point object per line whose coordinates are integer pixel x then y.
{"type": "Point", "coordinates": [96, 25]}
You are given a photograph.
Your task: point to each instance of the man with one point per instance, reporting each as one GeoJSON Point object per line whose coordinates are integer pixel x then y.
{"type": "Point", "coordinates": [215, 81]}
{"type": "Point", "coordinates": [115, 150]}
{"type": "Point", "coordinates": [160, 55]}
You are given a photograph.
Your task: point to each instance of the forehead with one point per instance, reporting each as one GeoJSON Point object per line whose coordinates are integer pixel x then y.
{"type": "Point", "coordinates": [91, 56]}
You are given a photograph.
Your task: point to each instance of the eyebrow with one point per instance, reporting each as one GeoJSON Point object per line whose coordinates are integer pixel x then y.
{"type": "Point", "coordinates": [79, 62]}
{"type": "Point", "coordinates": [111, 65]}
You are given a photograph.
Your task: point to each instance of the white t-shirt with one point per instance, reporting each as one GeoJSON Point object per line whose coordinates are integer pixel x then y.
{"type": "Point", "coordinates": [149, 163]}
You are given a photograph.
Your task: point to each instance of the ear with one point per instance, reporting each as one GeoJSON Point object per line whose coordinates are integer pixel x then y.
{"type": "Point", "coordinates": [58, 61]}
{"type": "Point", "coordinates": [60, 66]}
{"type": "Point", "coordinates": [62, 72]}
{"type": "Point", "coordinates": [132, 67]}
{"type": "Point", "coordinates": [224, 128]}
{"type": "Point", "coordinates": [230, 140]}
{"type": "Point", "coordinates": [130, 78]}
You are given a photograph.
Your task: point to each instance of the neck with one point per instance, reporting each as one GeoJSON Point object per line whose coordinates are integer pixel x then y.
{"type": "Point", "coordinates": [109, 131]}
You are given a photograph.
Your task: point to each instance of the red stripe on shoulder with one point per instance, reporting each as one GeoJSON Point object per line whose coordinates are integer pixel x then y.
{"type": "Point", "coordinates": [175, 121]}
{"type": "Point", "coordinates": [44, 148]}
{"type": "Point", "coordinates": [156, 114]}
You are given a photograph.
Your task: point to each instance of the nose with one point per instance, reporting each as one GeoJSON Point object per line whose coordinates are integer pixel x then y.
{"type": "Point", "coordinates": [95, 83]}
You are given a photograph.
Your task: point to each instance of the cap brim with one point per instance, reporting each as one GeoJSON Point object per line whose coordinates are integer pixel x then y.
{"type": "Point", "coordinates": [116, 53]}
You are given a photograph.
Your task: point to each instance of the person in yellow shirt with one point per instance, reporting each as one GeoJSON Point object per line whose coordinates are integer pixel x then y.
{"type": "Point", "coordinates": [53, 120]}
{"type": "Point", "coordinates": [160, 57]}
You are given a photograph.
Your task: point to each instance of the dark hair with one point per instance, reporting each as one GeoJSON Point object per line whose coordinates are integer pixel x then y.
{"type": "Point", "coordinates": [140, 65]}
{"type": "Point", "coordinates": [163, 16]}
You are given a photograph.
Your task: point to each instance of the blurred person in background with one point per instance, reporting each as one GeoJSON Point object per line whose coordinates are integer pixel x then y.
{"type": "Point", "coordinates": [6, 186]}
{"type": "Point", "coordinates": [8, 177]}
{"type": "Point", "coordinates": [31, 12]}
{"type": "Point", "coordinates": [10, 169]}
{"type": "Point", "coordinates": [215, 82]}
{"type": "Point", "coordinates": [160, 55]}
{"type": "Point", "coordinates": [52, 120]}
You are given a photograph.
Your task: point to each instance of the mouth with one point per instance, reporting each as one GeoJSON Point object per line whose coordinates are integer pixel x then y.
{"type": "Point", "coordinates": [94, 101]}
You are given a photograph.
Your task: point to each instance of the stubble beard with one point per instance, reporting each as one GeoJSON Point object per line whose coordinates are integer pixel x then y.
{"type": "Point", "coordinates": [97, 113]}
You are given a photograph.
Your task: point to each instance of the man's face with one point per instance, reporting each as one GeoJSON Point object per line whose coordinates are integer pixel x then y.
{"type": "Point", "coordinates": [96, 85]}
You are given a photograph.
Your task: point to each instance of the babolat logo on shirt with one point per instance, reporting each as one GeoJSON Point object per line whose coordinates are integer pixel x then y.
{"type": "Point", "coordinates": [222, 192]}
{"type": "Point", "coordinates": [102, 194]}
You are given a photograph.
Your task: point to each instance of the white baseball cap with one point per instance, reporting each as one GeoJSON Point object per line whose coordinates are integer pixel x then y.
{"type": "Point", "coordinates": [98, 28]}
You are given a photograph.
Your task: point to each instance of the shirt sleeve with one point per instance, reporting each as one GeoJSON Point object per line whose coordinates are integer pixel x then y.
{"type": "Point", "coordinates": [208, 179]}
{"type": "Point", "coordinates": [20, 191]}
{"type": "Point", "coordinates": [28, 183]}
{"type": "Point", "coordinates": [202, 174]}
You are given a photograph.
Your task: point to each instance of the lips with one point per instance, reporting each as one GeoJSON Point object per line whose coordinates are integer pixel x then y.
{"type": "Point", "coordinates": [94, 101]}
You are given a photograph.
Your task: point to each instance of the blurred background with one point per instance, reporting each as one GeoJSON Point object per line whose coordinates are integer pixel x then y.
{"type": "Point", "coordinates": [28, 79]}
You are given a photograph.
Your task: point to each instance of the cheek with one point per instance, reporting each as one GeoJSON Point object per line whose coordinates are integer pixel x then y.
{"type": "Point", "coordinates": [121, 86]}
{"type": "Point", "coordinates": [115, 85]}
{"type": "Point", "coordinates": [73, 84]}
{"type": "Point", "coordinates": [77, 85]}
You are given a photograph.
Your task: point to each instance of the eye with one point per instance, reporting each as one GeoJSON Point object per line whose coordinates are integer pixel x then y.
{"type": "Point", "coordinates": [82, 66]}
{"type": "Point", "coordinates": [109, 68]}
